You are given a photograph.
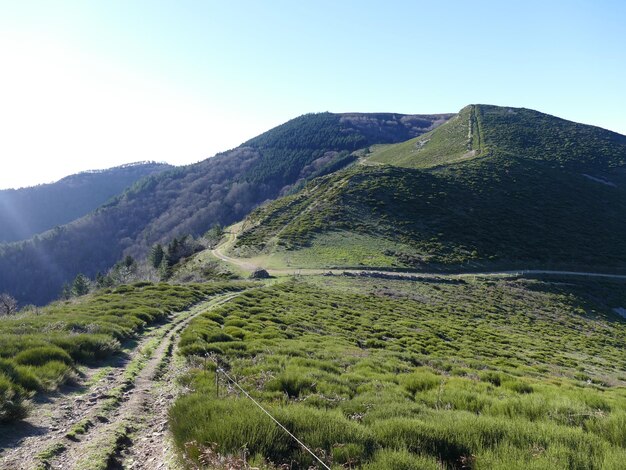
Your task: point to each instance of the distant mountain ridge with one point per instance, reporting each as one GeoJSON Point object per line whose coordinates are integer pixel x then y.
{"type": "Point", "coordinates": [190, 199]}
{"type": "Point", "coordinates": [25, 212]}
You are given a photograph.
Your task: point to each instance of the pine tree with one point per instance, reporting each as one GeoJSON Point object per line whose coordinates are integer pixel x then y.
{"type": "Point", "coordinates": [214, 234]}
{"type": "Point", "coordinates": [156, 255]}
{"type": "Point", "coordinates": [103, 281]}
{"type": "Point", "coordinates": [80, 286]}
{"type": "Point", "coordinates": [165, 270]}
{"type": "Point", "coordinates": [66, 292]}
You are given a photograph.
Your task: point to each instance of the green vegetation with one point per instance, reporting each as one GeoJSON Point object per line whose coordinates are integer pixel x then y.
{"type": "Point", "coordinates": [79, 428]}
{"type": "Point", "coordinates": [525, 203]}
{"type": "Point", "coordinates": [517, 132]}
{"type": "Point", "coordinates": [520, 132]}
{"type": "Point", "coordinates": [340, 248]}
{"type": "Point", "coordinates": [101, 454]}
{"type": "Point", "coordinates": [456, 140]}
{"type": "Point", "coordinates": [40, 349]}
{"type": "Point", "coordinates": [290, 147]}
{"type": "Point", "coordinates": [381, 374]}
{"type": "Point", "coordinates": [48, 454]}
{"type": "Point", "coordinates": [192, 199]}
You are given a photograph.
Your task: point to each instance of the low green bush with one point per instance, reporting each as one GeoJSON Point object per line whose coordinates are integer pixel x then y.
{"type": "Point", "coordinates": [389, 459]}
{"type": "Point", "coordinates": [293, 382]}
{"type": "Point", "coordinates": [43, 355]}
{"type": "Point", "coordinates": [420, 381]}
{"type": "Point", "coordinates": [12, 400]}
{"type": "Point", "coordinates": [519, 387]}
{"type": "Point", "coordinates": [20, 375]}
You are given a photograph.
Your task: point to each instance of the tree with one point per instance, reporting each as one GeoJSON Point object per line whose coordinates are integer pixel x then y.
{"type": "Point", "coordinates": [80, 286]}
{"type": "Point", "coordinates": [180, 248]}
{"type": "Point", "coordinates": [156, 255]}
{"type": "Point", "coordinates": [214, 234]}
{"type": "Point", "coordinates": [66, 292]}
{"type": "Point", "coordinates": [103, 281]}
{"type": "Point", "coordinates": [165, 270]}
{"type": "Point", "coordinates": [8, 304]}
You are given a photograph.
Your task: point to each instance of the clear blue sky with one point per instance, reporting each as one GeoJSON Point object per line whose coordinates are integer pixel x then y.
{"type": "Point", "coordinates": [90, 84]}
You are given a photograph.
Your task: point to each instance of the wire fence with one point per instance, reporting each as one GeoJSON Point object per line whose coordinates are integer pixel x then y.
{"type": "Point", "coordinates": [219, 370]}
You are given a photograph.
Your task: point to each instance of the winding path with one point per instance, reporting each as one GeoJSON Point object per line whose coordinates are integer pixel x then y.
{"type": "Point", "coordinates": [247, 265]}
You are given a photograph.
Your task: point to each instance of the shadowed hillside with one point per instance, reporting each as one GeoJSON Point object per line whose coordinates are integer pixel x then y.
{"type": "Point", "coordinates": [189, 200]}
{"type": "Point", "coordinates": [25, 212]}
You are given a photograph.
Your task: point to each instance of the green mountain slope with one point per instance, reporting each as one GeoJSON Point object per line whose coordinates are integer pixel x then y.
{"type": "Point", "coordinates": [25, 212]}
{"type": "Point", "coordinates": [458, 139]}
{"type": "Point", "coordinates": [384, 375]}
{"type": "Point", "coordinates": [539, 192]}
{"type": "Point", "coordinates": [189, 200]}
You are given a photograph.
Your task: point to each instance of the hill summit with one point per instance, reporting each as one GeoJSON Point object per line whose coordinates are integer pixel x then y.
{"type": "Point", "coordinates": [492, 187]}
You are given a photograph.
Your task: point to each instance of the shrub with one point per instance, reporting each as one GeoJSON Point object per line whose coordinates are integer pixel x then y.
{"type": "Point", "coordinates": [88, 347]}
{"type": "Point", "coordinates": [492, 377]}
{"type": "Point", "coordinates": [42, 355]}
{"type": "Point", "coordinates": [388, 459]}
{"type": "Point", "coordinates": [53, 373]}
{"type": "Point", "coordinates": [418, 436]}
{"type": "Point", "coordinates": [303, 357]}
{"type": "Point", "coordinates": [519, 387]}
{"type": "Point", "coordinates": [612, 427]}
{"type": "Point", "coordinates": [38, 348]}
{"type": "Point", "coordinates": [420, 381]}
{"type": "Point", "coordinates": [348, 455]}
{"type": "Point", "coordinates": [230, 423]}
{"type": "Point", "coordinates": [20, 375]}
{"type": "Point", "coordinates": [292, 382]}
{"type": "Point", "coordinates": [12, 400]}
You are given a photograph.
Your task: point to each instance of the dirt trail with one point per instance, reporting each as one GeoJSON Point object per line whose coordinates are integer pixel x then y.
{"type": "Point", "coordinates": [151, 447]}
{"type": "Point", "coordinates": [117, 411]}
{"type": "Point", "coordinates": [219, 252]}
{"type": "Point", "coordinates": [242, 263]}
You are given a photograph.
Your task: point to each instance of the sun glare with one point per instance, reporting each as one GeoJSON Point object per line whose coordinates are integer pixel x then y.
{"type": "Point", "coordinates": [64, 111]}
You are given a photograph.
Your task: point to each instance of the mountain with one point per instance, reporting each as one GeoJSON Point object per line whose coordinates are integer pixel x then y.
{"type": "Point", "coordinates": [189, 200]}
{"type": "Point", "coordinates": [25, 212]}
{"type": "Point", "coordinates": [494, 187]}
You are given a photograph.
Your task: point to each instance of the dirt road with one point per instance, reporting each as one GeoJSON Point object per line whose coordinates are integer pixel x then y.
{"type": "Point", "coordinates": [245, 264]}
{"type": "Point", "coordinates": [115, 417]}
{"type": "Point", "coordinates": [219, 252]}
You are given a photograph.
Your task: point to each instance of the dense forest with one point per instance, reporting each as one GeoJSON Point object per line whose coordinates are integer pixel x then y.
{"type": "Point", "coordinates": [25, 212]}
{"type": "Point", "coordinates": [189, 200]}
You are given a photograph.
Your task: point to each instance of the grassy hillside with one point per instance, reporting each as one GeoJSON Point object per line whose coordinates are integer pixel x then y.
{"type": "Point", "coordinates": [542, 192]}
{"type": "Point", "coordinates": [27, 211]}
{"type": "Point", "coordinates": [458, 139]}
{"type": "Point", "coordinates": [515, 132]}
{"type": "Point", "coordinates": [388, 375]}
{"type": "Point", "coordinates": [189, 200]}
{"type": "Point", "coordinates": [40, 349]}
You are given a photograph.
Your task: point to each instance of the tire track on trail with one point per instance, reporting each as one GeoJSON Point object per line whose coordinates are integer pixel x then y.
{"type": "Point", "coordinates": [151, 447]}
{"type": "Point", "coordinates": [89, 431]}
